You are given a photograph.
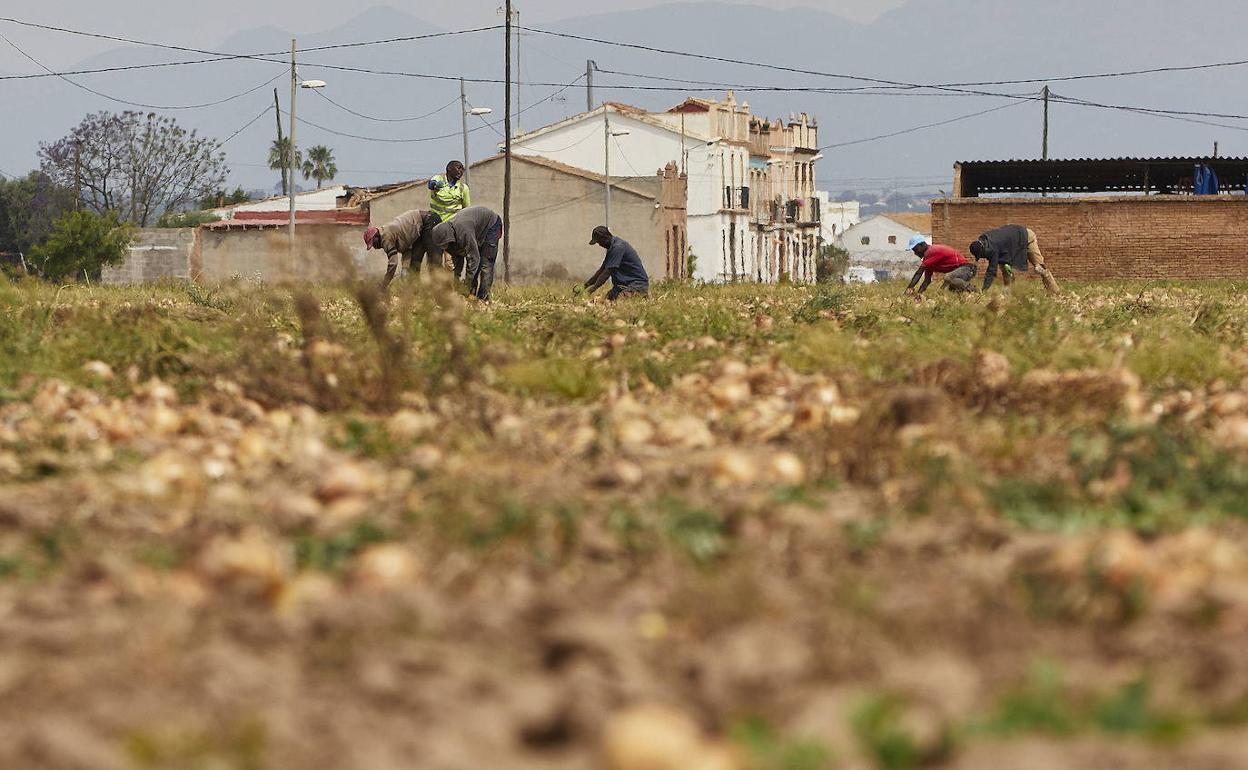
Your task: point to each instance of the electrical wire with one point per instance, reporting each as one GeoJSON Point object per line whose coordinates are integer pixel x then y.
{"type": "Point", "coordinates": [344, 108]}
{"type": "Point", "coordinates": [563, 87]}
{"type": "Point", "coordinates": [127, 102]}
{"type": "Point", "coordinates": [171, 47]}
{"type": "Point", "coordinates": [246, 126]}
{"type": "Point", "coordinates": [923, 127]}
{"type": "Point", "coordinates": [882, 81]}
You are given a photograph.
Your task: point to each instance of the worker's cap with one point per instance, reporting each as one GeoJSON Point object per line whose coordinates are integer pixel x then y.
{"type": "Point", "coordinates": [601, 233]}
{"type": "Point", "coordinates": [916, 240]}
{"type": "Point", "coordinates": [369, 235]}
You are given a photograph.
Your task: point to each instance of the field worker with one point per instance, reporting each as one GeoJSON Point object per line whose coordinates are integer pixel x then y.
{"type": "Point", "coordinates": [1011, 247]}
{"type": "Point", "coordinates": [449, 195]}
{"type": "Point", "coordinates": [621, 265]}
{"type": "Point", "coordinates": [958, 270]}
{"type": "Point", "coordinates": [472, 235]}
{"type": "Point", "coordinates": [409, 235]}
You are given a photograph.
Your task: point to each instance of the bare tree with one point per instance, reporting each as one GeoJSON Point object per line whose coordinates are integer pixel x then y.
{"type": "Point", "coordinates": [139, 165]}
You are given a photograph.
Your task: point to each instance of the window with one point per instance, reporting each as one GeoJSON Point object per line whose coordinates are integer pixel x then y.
{"type": "Point", "coordinates": [892, 239]}
{"type": "Point", "coordinates": [866, 240]}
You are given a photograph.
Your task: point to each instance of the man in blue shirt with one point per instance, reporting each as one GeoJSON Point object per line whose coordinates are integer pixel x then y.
{"type": "Point", "coordinates": [622, 266]}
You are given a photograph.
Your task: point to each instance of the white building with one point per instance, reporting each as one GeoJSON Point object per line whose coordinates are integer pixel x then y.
{"type": "Point", "coordinates": [325, 199]}
{"type": "Point", "coordinates": [881, 243]}
{"type": "Point", "coordinates": [753, 213]}
{"type": "Point", "coordinates": [835, 217]}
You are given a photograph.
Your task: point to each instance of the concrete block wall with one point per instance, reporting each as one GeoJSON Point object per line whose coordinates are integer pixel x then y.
{"type": "Point", "coordinates": [324, 252]}
{"type": "Point", "coordinates": [1174, 237]}
{"type": "Point", "coordinates": [154, 253]}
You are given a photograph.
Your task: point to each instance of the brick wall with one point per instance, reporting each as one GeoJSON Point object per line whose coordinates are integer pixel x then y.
{"type": "Point", "coordinates": [154, 253]}
{"type": "Point", "coordinates": [1121, 237]}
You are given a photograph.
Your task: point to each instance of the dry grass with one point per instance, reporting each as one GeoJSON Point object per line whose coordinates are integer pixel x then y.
{"type": "Point", "coordinates": [778, 528]}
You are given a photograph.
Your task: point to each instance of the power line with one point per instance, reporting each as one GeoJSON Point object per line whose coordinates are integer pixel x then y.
{"type": "Point", "coordinates": [923, 127]}
{"type": "Point", "coordinates": [319, 92]}
{"type": "Point", "coordinates": [246, 126]}
{"type": "Point", "coordinates": [563, 87]}
{"type": "Point", "coordinates": [1187, 116]}
{"type": "Point", "coordinates": [138, 104]}
{"type": "Point", "coordinates": [171, 47]}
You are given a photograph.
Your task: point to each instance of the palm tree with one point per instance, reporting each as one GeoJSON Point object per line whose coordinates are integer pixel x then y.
{"type": "Point", "coordinates": [279, 152]}
{"type": "Point", "coordinates": [320, 165]}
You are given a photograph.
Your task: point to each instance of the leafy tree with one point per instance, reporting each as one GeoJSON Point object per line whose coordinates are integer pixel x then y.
{"type": "Point", "coordinates": [81, 244]}
{"type": "Point", "coordinates": [139, 165]}
{"type": "Point", "coordinates": [279, 152]}
{"type": "Point", "coordinates": [222, 198]}
{"type": "Point", "coordinates": [320, 165]}
{"type": "Point", "coordinates": [831, 262]}
{"type": "Point", "coordinates": [28, 208]}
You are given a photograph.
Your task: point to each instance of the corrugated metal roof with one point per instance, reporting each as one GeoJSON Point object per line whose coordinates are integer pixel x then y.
{"type": "Point", "coordinates": [1172, 159]}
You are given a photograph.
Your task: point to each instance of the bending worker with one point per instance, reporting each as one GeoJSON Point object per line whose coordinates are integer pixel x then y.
{"type": "Point", "coordinates": [621, 265]}
{"type": "Point", "coordinates": [959, 271]}
{"type": "Point", "coordinates": [408, 236]}
{"type": "Point", "coordinates": [1012, 247]}
{"type": "Point", "coordinates": [449, 195]}
{"type": "Point", "coordinates": [472, 236]}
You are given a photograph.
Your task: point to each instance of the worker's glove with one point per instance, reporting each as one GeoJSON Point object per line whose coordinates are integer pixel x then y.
{"type": "Point", "coordinates": [436, 184]}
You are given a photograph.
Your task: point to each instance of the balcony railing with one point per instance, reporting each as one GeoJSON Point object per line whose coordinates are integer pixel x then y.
{"type": "Point", "coordinates": [737, 198]}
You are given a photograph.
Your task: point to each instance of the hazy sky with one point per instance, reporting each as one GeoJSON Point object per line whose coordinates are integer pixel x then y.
{"type": "Point", "coordinates": [194, 23]}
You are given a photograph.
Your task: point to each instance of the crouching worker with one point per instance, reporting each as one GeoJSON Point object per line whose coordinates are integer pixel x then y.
{"type": "Point", "coordinates": [408, 236]}
{"type": "Point", "coordinates": [473, 235]}
{"type": "Point", "coordinates": [1012, 248]}
{"type": "Point", "coordinates": [958, 270]}
{"type": "Point", "coordinates": [621, 265]}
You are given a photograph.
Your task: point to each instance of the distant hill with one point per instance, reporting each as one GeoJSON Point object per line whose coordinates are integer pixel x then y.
{"type": "Point", "coordinates": [926, 40]}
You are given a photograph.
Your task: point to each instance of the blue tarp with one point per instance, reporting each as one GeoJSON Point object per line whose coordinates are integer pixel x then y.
{"type": "Point", "coordinates": [1205, 182]}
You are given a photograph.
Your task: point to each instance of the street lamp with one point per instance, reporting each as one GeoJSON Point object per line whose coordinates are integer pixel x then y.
{"type": "Point", "coordinates": [290, 159]}
{"type": "Point", "coordinates": [464, 112]}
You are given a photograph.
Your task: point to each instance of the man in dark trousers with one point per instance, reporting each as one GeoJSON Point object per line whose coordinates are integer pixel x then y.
{"type": "Point", "coordinates": [408, 236]}
{"type": "Point", "coordinates": [1011, 247]}
{"type": "Point", "coordinates": [473, 235]}
{"type": "Point", "coordinates": [621, 265]}
{"type": "Point", "coordinates": [958, 270]}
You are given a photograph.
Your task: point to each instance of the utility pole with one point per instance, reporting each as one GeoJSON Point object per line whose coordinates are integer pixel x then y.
{"type": "Point", "coordinates": [463, 116]}
{"type": "Point", "coordinates": [507, 151]}
{"type": "Point", "coordinates": [606, 160]}
{"type": "Point", "coordinates": [519, 71]}
{"type": "Point", "coordinates": [589, 85]}
{"type": "Point", "coordinates": [1044, 152]}
{"type": "Point", "coordinates": [277, 113]}
{"type": "Point", "coordinates": [290, 158]}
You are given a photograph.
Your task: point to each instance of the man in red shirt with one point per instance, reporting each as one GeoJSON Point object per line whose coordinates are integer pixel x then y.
{"type": "Point", "coordinates": [959, 271]}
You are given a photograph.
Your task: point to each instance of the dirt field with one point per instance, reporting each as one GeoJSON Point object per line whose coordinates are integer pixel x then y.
{"type": "Point", "coordinates": [726, 528]}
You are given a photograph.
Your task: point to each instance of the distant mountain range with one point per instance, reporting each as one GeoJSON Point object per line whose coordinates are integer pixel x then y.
{"type": "Point", "coordinates": [944, 41]}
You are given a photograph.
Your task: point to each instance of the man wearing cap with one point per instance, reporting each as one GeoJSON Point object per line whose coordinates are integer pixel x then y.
{"type": "Point", "coordinates": [407, 236]}
{"type": "Point", "coordinates": [449, 195]}
{"type": "Point", "coordinates": [958, 270]}
{"type": "Point", "coordinates": [621, 265]}
{"type": "Point", "coordinates": [472, 235]}
{"type": "Point", "coordinates": [1012, 247]}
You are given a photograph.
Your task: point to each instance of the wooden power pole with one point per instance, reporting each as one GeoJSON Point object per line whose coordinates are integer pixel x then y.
{"type": "Point", "coordinates": [507, 149]}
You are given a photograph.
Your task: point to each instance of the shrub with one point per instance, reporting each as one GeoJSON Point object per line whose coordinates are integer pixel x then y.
{"type": "Point", "coordinates": [81, 244]}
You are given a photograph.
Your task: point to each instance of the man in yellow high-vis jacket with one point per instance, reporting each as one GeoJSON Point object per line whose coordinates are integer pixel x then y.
{"type": "Point", "coordinates": [449, 195]}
